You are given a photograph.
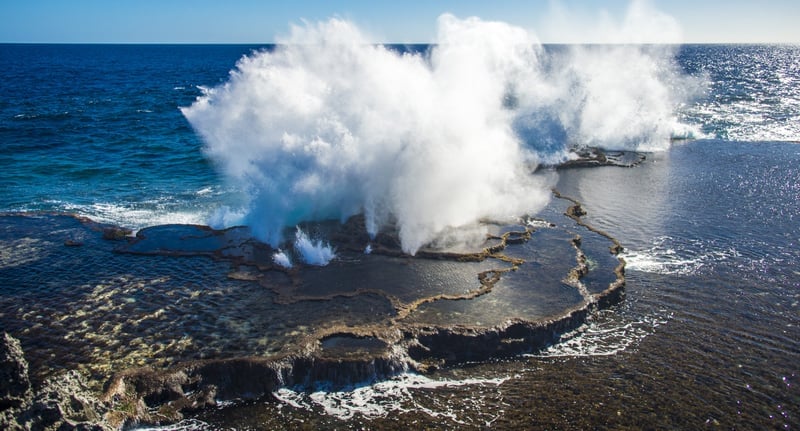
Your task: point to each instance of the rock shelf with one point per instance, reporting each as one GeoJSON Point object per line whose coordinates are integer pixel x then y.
{"type": "Point", "coordinates": [180, 317]}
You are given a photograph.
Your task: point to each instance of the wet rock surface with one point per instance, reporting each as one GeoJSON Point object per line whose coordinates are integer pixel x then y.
{"type": "Point", "coordinates": [591, 157]}
{"type": "Point", "coordinates": [180, 317]}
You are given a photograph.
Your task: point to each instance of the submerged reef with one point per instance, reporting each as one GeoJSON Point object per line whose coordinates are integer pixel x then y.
{"type": "Point", "coordinates": [180, 317]}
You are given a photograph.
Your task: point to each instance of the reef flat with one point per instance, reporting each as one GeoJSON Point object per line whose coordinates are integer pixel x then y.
{"type": "Point", "coordinates": [181, 317]}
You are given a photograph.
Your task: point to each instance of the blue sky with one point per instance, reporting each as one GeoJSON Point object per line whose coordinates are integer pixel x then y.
{"type": "Point", "coordinates": [252, 21]}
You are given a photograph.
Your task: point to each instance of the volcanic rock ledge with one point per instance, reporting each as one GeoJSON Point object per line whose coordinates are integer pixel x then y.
{"type": "Point", "coordinates": [343, 354]}
{"type": "Point", "coordinates": [437, 309]}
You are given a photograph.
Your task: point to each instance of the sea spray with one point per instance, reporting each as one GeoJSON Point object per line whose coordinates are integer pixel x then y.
{"type": "Point", "coordinates": [313, 252]}
{"type": "Point", "coordinates": [622, 97]}
{"type": "Point", "coordinates": [282, 259]}
{"type": "Point", "coordinates": [328, 125]}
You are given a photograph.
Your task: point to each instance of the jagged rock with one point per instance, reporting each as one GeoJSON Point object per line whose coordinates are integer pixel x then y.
{"type": "Point", "coordinates": [66, 403]}
{"type": "Point", "coordinates": [62, 403]}
{"type": "Point", "coordinates": [148, 396]}
{"type": "Point", "coordinates": [15, 387]}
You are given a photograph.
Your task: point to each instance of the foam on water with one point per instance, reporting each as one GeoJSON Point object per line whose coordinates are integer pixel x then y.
{"type": "Point", "coordinates": [378, 399]}
{"type": "Point", "coordinates": [669, 255]}
{"type": "Point", "coordinates": [184, 425]}
{"type": "Point", "coordinates": [201, 206]}
{"type": "Point", "coordinates": [606, 335]}
{"type": "Point", "coordinates": [137, 215]}
{"type": "Point", "coordinates": [329, 124]}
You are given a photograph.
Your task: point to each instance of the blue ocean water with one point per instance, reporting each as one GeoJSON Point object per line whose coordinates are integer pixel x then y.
{"type": "Point", "coordinates": [710, 226]}
{"type": "Point", "coordinates": [97, 130]}
{"type": "Point", "coordinates": [753, 92]}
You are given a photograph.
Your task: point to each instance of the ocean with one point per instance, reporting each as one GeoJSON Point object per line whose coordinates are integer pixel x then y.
{"type": "Point", "coordinates": [707, 336]}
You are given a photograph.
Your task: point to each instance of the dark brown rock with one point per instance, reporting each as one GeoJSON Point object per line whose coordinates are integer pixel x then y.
{"type": "Point", "coordinates": [115, 233]}
{"type": "Point", "coordinates": [591, 157]}
{"type": "Point", "coordinates": [15, 387]}
{"type": "Point", "coordinates": [66, 403]}
{"type": "Point", "coordinates": [62, 403]}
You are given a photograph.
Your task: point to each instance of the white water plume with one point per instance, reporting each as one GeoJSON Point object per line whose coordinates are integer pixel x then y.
{"type": "Point", "coordinates": [313, 252]}
{"type": "Point", "coordinates": [328, 124]}
{"type": "Point", "coordinates": [280, 258]}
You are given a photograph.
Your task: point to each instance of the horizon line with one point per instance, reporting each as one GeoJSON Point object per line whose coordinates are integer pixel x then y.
{"type": "Point", "coordinates": [394, 43]}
